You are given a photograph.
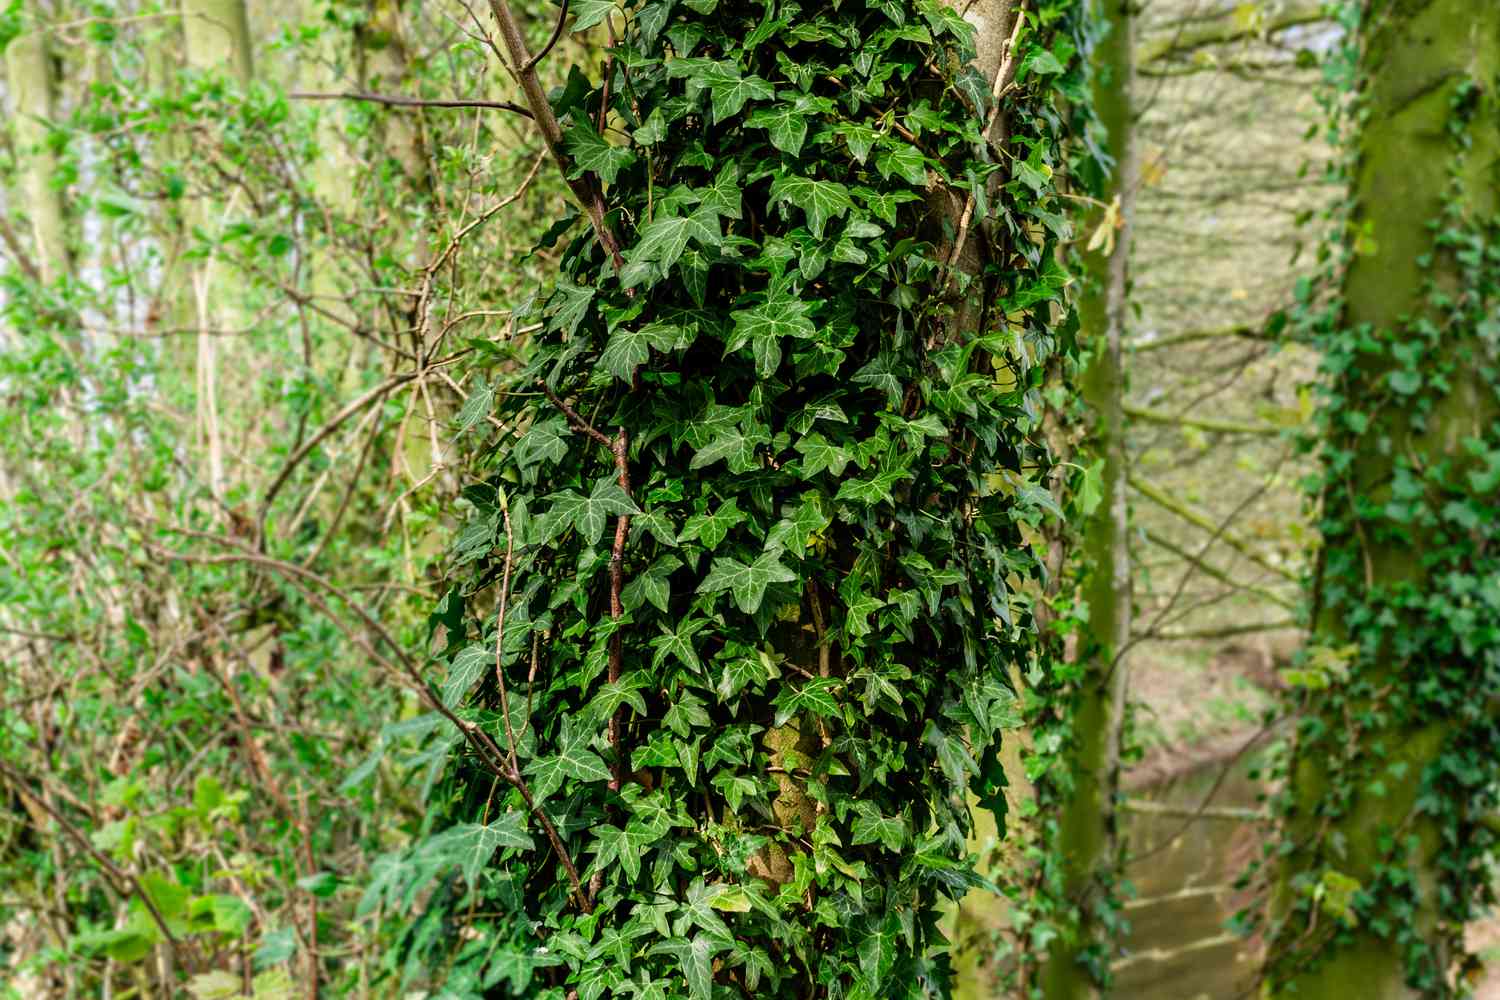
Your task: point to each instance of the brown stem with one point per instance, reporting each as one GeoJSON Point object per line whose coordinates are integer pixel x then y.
{"type": "Point", "coordinates": [584, 188]}
{"type": "Point", "coordinates": [620, 449]}
{"type": "Point", "coordinates": [617, 607]}
{"type": "Point", "coordinates": [557, 30]}
{"type": "Point", "coordinates": [400, 101]}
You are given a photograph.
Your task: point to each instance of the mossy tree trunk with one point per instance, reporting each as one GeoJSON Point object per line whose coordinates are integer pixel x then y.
{"type": "Point", "coordinates": [1087, 843]}
{"type": "Point", "coordinates": [1383, 823]}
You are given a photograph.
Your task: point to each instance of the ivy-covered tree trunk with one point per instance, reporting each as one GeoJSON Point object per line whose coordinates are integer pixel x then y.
{"type": "Point", "coordinates": [742, 600]}
{"type": "Point", "coordinates": [28, 68]}
{"type": "Point", "coordinates": [1395, 766]}
{"type": "Point", "coordinates": [1078, 962]}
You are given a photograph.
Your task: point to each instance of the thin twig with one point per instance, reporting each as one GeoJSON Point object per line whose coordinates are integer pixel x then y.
{"type": "Point", "coordinates": [557, 30]}
{"type": "Point", "coordinates": [397, 100]}
{"type": "Point", "coordinates": [585, 187]}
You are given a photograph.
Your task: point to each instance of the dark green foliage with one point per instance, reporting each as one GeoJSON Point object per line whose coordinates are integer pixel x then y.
{"type": "Point", "coordinates": [760, 759]}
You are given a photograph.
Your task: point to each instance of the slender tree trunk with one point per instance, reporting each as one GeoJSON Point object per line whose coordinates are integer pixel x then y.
{"type": "Point", "coordinates": [1366, 793]}
{"type": "Point", "coordinates": [217, 33]}
{"type": "Point", "coordinates": [218, 36]}
{"type": "Point", "coordinates": [28, 67]}
{"type": "Point", "coordinates": [1087, 823]}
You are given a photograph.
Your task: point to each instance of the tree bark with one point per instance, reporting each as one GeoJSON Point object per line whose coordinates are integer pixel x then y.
{"type": "Point", "coordinates": [1087, 824]}
{"type": "Point", "coordinates": [28, 67]}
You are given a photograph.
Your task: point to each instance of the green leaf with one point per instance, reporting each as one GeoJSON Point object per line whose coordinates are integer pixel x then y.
{"type": "Point", "coordinates": [612, 843]}
{"type": "Point", "coordinates": [797, 530]}
{"type": "Point", "coordinates": [723, 196]}
{"type": "Point", "coordinates": [468, 666]}
{"type": "Point", "coordinates": [881, 373]}
{"type": "Point", "coordinates": [663, 240]}
{"type": "Point", "coordinates": [820, 200]}
{"type": "Point", "coordinates": [819, 454]}
{"type": "Point", "coordinates": [816, 696]}
{"type": "Point", "coordinates": [653, 585]}
{"type": "Point", "coordinates": [710, 529]}
{"type": "Point", "coordinates": [785, 123]}
{"type": "Point", "coordinates": [477, 406]}
{"type": "Point", "coordinates": [629, 349]}
{"type": "Point", "coordinates": [592, 153]}
{"type": "Point", "coordinates": [871, 827]}
{"type": "Point", "coordinates": [471, 845]}
{"type": "Point", "coordinates": [731, 444]}
{"type": "Point", "coordinates": [679, 644]}
{"type": "Point", "coordinates": [877, 956]}
{"type": "Point", "coordinates": [588, 514]}
{"type": "Point", "coordinates": [573, 760]}
{"type": "Point", "coordinates": [764, 326]}
{"type": "Point", "coordinates": [571, 305]}
{"type": "Point", "coordinates": [873, 490]}
{"type": "Point", "coordinates": [741, 671]}
{"type": "Point", "coordinates": [746, 583]}
{"type": "Point", "coordinates": [625, 691]}
{"type": "Point", "coordinates": [588, 13]}
{"type": "Point", "coordinates": [904, 161]}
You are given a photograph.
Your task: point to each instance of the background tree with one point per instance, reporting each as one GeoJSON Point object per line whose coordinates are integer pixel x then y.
{"type": "Point", "coordinates": [1393, 774]}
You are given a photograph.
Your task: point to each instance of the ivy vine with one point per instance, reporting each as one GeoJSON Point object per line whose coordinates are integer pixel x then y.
{"type": "Point", "coordinates": [734, 618]}
{"type": "Point", "coordinates": [1391, 788]}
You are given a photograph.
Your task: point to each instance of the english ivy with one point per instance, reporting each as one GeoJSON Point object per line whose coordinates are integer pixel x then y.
{"type": "Point", "coordinates": [760, 515]}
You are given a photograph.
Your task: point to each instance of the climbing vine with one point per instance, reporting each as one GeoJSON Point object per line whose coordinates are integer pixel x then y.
{"type": "Point", "coordinates": [1389, 795]}
{"type": "Point", "coordinates": [730, 641]}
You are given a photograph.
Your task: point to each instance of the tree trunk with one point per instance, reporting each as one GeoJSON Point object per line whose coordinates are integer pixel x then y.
{"type": "Point", "coordinates": [1087, 824]}
{"type": "Point", "coordinates": [1376, 798]}
{"type": "Point", "coordinates": [29, 76]}
{"type": "Point", "coordinates": [217, 33]}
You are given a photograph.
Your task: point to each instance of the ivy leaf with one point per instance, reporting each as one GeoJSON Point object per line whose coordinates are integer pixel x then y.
{"type": "Point", "coordinates": [573, 760]}
{"type": "Point", "coordinates": [764, 326]}
{"type": "Point", "coordinates": [572, 305]}
{"type": "Point", "coordinates": [723, 196]}
{"type": "Point", "coordinates": [653, 585]}
{"type": "Point", "coordinates": [629, 349]}
{"type": "Point", "coordinates": [471, 845]}
{"type": "Point", "coordinates": [871, 827]}
{"type": "Point", "coordinates": [881, 373]}
{"type": "Point", "coordinates": [819, 454]}
{"type": "Point", "coordinates": [612, 843]}
{"type": "Point", "coordinates": [625, 691]}
{"type": "Point", "coordinates": [797, 531]}
{"type": "Point", "coordinates": [747, 583]}
{"type": "Point", "coordinates": [679, 643]}
{"type": "Point", "coordinates": [477, 406]}
{"type": "Point", "coordinates": [785, 124]}
{"type": "Point", "coordinates": [467, 667]}
{"type": "Point", "coordinates": [731, 444]}
{"type": "Point", "coordinates": [592, 153]}
{"type": "Point", "coordinates": [820, 200]}
{"type": "Point", "coordinates": [877, 955]}
{"type": "Point", "coordinates": [588, 514]}
{"type": "Point", "coordinates": [664, 240]}
{"type": "Point", "coordinates": [873, 490]}
{"type": "Point", "coordinates": [589, 13]}
{"type": "Point", "coordinates": [741, 671]}
{"type": "Point", "coordinates": [710, 529]}
{"type": "Point", "coordinates": [904, 161]}
{"type": "Point", "coordinates": [728, 89]}
{"type": "Point", "coordinates": [816, 696]}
